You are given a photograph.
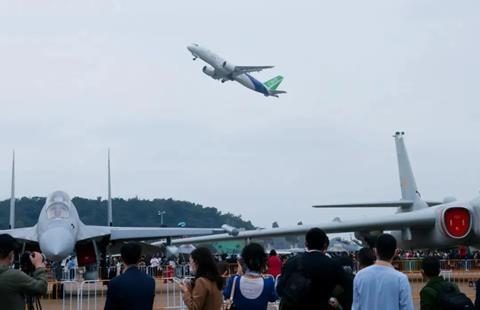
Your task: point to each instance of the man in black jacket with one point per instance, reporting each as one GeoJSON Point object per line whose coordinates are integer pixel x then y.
{"type": "Point", "coordinates": [318, 273]}
{"type": "Point", "coordinates": [133, 290]}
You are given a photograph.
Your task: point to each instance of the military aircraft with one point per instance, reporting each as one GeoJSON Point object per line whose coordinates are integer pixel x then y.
{"type": "Point", "coordinates": [225, 71]}
{"type": "Point", "coordinates": [416, 224]}
{"type": "Point", "coordinates": [59, 231]}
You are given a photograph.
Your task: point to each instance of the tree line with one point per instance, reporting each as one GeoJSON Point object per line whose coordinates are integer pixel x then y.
{"type": "Point", "coordinates": [127, 212]}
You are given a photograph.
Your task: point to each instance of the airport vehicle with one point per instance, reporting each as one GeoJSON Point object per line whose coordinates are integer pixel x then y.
{"type": "Point", "coordinates": [221, 69]}
{"type": "Point", "coordinates": [416, 224]}
{"type": "Point", "coordinates": [59, 231]}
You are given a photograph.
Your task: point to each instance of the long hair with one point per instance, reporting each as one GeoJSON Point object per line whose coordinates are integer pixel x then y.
{"type": "Point", "coordinates": [253, 254]}
{"type": "Point", "coordinates": [206, 266]}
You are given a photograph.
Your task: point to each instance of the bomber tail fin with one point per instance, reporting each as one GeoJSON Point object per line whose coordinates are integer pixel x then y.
{"type": "Point", "coordinates": [407, 179]}
{"type": "Point", "coordinates": [12, 196]}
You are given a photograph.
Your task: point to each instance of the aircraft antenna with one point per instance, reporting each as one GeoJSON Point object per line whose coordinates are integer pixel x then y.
{"type": "Point", "coordinates": [12, 196]}
{"type": "Point", "coordinates": [110, 220]}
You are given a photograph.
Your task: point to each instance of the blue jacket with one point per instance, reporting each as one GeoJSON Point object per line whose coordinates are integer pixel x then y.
{"type": "Point", "coordinates": [133, 290]}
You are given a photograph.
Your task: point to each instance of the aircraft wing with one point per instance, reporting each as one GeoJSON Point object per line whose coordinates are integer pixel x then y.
{"type": "Point", "coordinates": [421, 218]}
{"type": "Point", "coordinates": [28, 234]}
{"type": "Point", "coordinates": [247, 69]}
{"type": "Point", "coordinates": [383, 204]}
{"type": "Point", "coordinates": [142, 233]}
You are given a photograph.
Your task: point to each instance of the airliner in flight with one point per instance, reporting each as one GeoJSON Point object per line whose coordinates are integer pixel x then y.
{"type": "Point", "coordinates": [222, 70]}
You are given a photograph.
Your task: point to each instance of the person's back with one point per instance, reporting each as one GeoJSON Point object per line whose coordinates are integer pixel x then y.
{"type": "Point", "coordinates": [439, 293]}
{"type": "Point", "coordinates": [274, 264]}
{"type": "Point", "coordinates": [381, 287]}
{"type": "Point", "coordinates": [133, 290]}
{"type": "Point", "coordinates": [251, 290]}
{"type": "Point", "coordinates": [317, 272]}
{"type": "Point", "coordinates": [324, 274]}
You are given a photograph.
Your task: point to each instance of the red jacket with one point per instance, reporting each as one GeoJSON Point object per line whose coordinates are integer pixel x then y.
{"type": "Point", "coordinates": [274, 266]}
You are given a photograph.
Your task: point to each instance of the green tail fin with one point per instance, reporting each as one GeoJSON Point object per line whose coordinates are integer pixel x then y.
{"type": "Point", "coordinates": [273, 83]}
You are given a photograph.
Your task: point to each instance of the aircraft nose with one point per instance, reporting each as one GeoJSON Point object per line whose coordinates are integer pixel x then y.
{"type": "Point", "coordinates": [56, 243]}
{"type": "Point", "coordinates": [192, 47]}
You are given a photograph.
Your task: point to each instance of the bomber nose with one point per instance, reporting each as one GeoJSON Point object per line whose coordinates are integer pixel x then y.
{"type": "Point", "coordinates": [56, 243]}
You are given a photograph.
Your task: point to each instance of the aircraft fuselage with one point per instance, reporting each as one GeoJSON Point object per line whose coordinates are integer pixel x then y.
{"type": "Point", "coordinates": [222, 70]}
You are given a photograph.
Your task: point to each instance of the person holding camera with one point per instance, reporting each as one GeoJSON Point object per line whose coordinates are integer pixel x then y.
{"type": "Point", "coordinates": [15, 285]}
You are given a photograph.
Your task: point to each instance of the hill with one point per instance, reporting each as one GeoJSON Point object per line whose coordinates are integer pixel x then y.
{"type": "Point", "coordinates": [129, 212]}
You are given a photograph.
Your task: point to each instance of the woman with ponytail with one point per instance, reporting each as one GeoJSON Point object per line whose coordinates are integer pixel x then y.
{"type": "Point", "coordinates": [251, 289]}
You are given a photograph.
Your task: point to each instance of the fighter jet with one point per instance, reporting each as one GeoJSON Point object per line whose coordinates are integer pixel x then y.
{"type": "Point", "coordinates": [416, 224]}
{"type": "Point", "coordinates": [59, 231]}
{"type": "Point", "coordinates": [222, 70]}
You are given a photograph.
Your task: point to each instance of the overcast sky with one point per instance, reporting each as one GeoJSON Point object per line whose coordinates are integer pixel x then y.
{"type": "Point", "coordinates": [76, 79]}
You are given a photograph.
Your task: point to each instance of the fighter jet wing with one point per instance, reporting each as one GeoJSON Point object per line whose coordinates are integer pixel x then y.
{"type": "Point", "coordinates": [22, 234]}
{"type": "Point", "coordinates": [247, 69]}
{"type": "Point", "coordinates": [421, 218]}
{"type": "Point", "coordinates": [142, 233]}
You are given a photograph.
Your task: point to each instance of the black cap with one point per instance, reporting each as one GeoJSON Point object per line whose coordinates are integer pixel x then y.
{"type": "Point", "coordinates": [7, 244]}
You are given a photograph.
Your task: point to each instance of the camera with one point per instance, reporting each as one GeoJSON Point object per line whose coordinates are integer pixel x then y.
{"type": "Point", "coordinates": [26, 264]}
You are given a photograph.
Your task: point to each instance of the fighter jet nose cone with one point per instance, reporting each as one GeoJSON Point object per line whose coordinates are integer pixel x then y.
{"type": "Point", "coordinates": [56, 243]}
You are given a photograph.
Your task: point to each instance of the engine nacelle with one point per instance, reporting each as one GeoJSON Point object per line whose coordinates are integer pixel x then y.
{"type": "Point", "coordinates": [228, 67]}
{"type": "Point", "coordinates": [456, 222]}
{"type": "Point", "coordinates": [232, 231]}
{"type": "Point", "coordinates": [209, 71]}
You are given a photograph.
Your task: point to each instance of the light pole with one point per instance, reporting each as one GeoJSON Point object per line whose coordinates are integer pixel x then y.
{"type": "Point", "coordinates": [161, 214]}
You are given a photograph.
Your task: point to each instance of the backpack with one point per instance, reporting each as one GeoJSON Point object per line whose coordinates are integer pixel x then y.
{"type": "Point", "coordinates": [297, 288]}
{"type": "Point", "coordinates": [451, 299]}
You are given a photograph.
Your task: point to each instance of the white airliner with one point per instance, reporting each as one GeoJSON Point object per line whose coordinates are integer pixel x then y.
{"type": "Point", "coordinates": [225, 71]}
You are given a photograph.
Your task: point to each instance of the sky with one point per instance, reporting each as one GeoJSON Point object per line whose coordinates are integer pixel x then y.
{"type": "Point", "coordinates": [78, 78]}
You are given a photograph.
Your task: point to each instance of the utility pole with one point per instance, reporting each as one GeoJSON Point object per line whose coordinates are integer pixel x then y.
{"type": "Point", "coordinates": [161, 214]}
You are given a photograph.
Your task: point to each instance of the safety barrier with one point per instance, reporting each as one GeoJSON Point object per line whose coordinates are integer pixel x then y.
{"type": "Point", "coordinates": [91, 295]}
{"type": "Point", "coordinates": [414, 265]}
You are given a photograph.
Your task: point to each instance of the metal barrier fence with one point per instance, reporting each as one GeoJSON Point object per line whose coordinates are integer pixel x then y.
{"type": "Point", "coordinates": [414, 265]}
{"type": "Point", "coordinates": [91, 295]}
{"type": "Point", "coordinates": [78, 274]}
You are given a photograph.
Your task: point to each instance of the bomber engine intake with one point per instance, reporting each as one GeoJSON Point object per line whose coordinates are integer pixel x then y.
{"type": "Point", "coordinates": [456, 222]}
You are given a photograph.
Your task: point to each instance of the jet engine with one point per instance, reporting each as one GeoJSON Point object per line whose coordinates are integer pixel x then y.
{"type": "Point", "coordinates": [456, 222]}
{"type": "Point", "coordinates": [209, 71]}
{"type": "Point", "coordinates": [232, 231]}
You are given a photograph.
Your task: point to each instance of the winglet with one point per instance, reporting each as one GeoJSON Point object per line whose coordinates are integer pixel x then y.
{"type": "Point", "coordinates": [12, 196]}
{"type": "Point", "coordinates": [110, 219]}
{"type": "Point", "coordinates": [407, 179]}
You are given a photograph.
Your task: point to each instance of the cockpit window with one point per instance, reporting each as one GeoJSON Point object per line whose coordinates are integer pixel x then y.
{"type": "Point", "coordinates": [57, 210]}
